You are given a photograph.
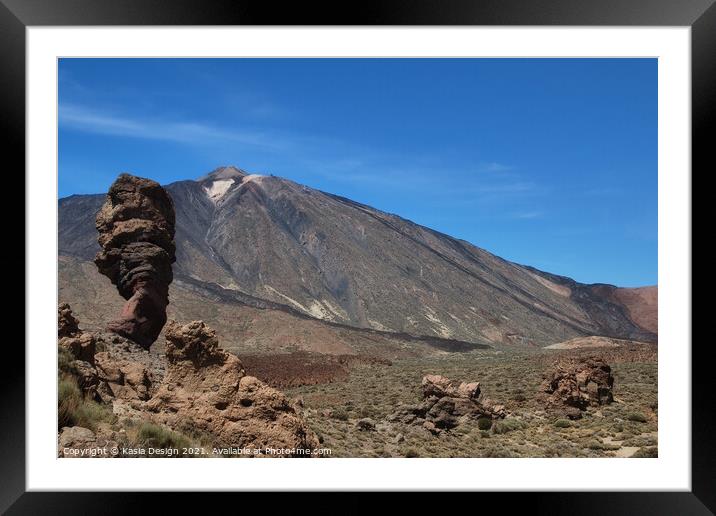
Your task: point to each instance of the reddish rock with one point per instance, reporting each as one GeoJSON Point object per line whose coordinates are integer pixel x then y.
{"type": "Point", "coordinates": [578, 382]}
{"type": "Point", "coordinates": [436, 385]}
{"type": "Point", "coordinates": [445, 406]}
{"type": "Point", "coordinates": [136, 233]}
{"type": "Point", "coordinates": [67, 324]}
{"type": "Point", "coordinates": [80, 344]}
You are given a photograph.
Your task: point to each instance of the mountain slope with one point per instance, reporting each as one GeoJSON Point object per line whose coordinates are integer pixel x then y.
{"type": "Point", "coordinates": [345, 262]}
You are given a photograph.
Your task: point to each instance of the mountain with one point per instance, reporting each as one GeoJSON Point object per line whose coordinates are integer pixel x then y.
{"type": "Point", "coordinates": [246, 238]}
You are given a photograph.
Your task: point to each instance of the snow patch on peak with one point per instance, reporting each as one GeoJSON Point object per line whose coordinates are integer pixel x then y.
{"type": "Point", "coordinates": [252, 177]}
{"type": "Point", "coordinates": [217, 189]}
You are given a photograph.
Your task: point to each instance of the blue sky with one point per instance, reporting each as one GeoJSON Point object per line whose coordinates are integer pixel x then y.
{"type": "Point", "coordinates": [546, 162]}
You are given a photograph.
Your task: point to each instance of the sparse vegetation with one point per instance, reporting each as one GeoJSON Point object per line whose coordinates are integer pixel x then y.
{"type": "Point", "coordinates": [73, 409]}
{"type": "Point", "coordinates": [151, 435]}
{"type": "Point", "coordinates": [646, 453]}
{"type": "Point", "coordinates": [637, 417]}
{"type": "Point", "coordinates": [333, 409]}
{"type": "Point", "coordinates": [507, 425]}
{"type": "Point", "coordinates": [484, 423]}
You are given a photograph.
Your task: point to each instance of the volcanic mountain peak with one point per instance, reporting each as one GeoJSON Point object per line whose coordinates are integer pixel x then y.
{"type": "Point", "coordinates": [219, 183]}
{"type": "Point", "coordinates": [344, 262]}
{"type": "Point", "coordinates": [226, 172]}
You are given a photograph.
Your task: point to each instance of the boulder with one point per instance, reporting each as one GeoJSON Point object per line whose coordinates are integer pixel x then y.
{"type": "Point", "coordinates": [366, 425]}
{"type": "Point", "coordinates": [438, 386]}
{"type": "Point", "coordinates": [67, 324]}
{"type": "Point", "coordinates": [577, 383]}
{"type": "Point", "coordinates": [445, 406]}
{"type": "Point", "coordinates": [469, 390]}
{"type": "Point", "coordinates": [82, 346]}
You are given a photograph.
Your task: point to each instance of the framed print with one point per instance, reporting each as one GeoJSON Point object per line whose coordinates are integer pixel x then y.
{"type": "Point", "coordinates": [419, 248]}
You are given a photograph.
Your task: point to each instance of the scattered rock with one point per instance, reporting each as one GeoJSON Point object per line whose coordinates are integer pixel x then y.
{"type": "Point", "coordinates": [136, 234]}
{"type": "Point", "coordinates": [575, 383]}
{"type": "Point", "coordinates": [469, 390]}
{"type": "Point", "coordinates": [366, 425]}
{"type": "Point", "coordinates": [445, 406]}
{"type": "Point", "coordinates": [430, 427]}
{"type": "Point", "coordinates": [439, 386]}
{"type": "Point", "coordinates": [436, 385]}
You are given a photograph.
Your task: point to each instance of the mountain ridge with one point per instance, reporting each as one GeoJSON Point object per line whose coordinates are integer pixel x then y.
{"type": "Point", "coordinates": [339, 260]}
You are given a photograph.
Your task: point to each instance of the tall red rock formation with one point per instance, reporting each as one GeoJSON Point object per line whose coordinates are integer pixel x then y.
{"type": "Point", "coordinates": [136, 236]}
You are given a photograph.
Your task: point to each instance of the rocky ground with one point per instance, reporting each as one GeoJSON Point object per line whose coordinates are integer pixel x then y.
{"type": "Point", "coordinates": [356, 417]}
{"type": "Point", "coordinates": [190, 395]}
{"type": "Point", "coordinates": [486, 403]}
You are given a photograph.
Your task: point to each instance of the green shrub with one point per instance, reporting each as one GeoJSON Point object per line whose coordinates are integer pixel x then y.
{"type": "Point", "coordinates": [68, 399]}
{"type": "Point", "coordinates": [593, 444]}
{"type": "Point", "coordinates": [340, 414]}
{"type": "Point", "coordinates": [74, 410]}
{"type": "Point", "coordinates": [156, 436]}
{"type": "Point", "coordinates": [637, 417]}
{"type": "Point", "coordinates": [411, 453]}
{"type": "Point", "coordinates": [497, 453]}
{"type": "Point", "coordinates": [647, 453]}
{"type": "Point", "coordinates": [65, 360]}
{"type": "Point", "coordinates": [519, 396]}
{"type": "Point", "coordinates": [507, 425]}
{"type": "Point", "coordinates": [562, 423]}
{"type": "Point", "coordinates": [484, 423]}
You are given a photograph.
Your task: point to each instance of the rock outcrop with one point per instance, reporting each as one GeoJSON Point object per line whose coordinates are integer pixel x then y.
{"type": "Point", "coordinates": [123, 370]}
{"type": "Point", "coordinates": [575, 383]}
{"type": "Point", "coordinates": [208, 387]}
{"type": "Point", "coordinates": [67, 323]}
{"type": "Point", "coordinates": [123, 379]}
{"type": "Point", "coordinates": [81, 345]}
{"type": "Point", "coordinates": [446, 406]}
{"type": "Point", "coordinates": [136, 236]}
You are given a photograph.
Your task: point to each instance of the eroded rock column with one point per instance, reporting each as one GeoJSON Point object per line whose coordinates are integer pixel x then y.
{"type": "Point", "coordinates": [136, 234]}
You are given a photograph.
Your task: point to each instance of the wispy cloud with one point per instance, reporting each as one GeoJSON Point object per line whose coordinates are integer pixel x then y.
{"type": "Point", "coordinates": [88, 120]}
{"type": "Point", "coordinates": [494, 166]}
{"type": "Point", "coordinates": [324, 157]}
{"type": "Point", "coordinates": [528, 215]}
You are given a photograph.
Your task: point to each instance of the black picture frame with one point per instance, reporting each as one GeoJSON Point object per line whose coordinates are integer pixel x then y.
{"type": "Point", "coordinates": [16, 15]}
